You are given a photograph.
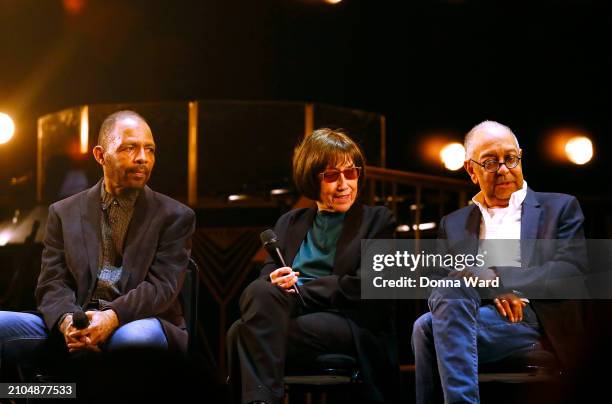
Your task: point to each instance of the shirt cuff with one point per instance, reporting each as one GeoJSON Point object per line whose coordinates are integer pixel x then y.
{"type": "Point", "coordinates": [61, 320]}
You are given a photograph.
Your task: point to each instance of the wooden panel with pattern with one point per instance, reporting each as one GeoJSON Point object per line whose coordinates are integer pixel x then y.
{"type": "Point", "coordinates": [225, 257]}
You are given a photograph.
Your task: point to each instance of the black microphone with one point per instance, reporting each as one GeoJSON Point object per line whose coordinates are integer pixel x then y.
{"type": "Point", "coordinates": [80, 320]}
{"type": "Point", "coordinates": [270, 243]}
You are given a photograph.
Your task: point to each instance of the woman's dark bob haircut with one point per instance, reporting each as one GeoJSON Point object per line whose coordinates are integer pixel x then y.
{"type": "Point", "coordinates": [324, 148]}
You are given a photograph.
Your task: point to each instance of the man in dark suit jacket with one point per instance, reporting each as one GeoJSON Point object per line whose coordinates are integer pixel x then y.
{"type": "Point", "coordinates": [117, 251]}
{"type": "Point", "coordinates": [460, 330]}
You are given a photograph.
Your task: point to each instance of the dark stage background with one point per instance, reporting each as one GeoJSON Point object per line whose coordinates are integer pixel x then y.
{"type": "Point", "coordinates": [432, 68]}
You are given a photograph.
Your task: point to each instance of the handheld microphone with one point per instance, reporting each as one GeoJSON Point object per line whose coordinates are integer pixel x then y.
{"type": "Point", "coordinates": [270, 243]}
{"type": "Point", "coordinates": [80, 320]}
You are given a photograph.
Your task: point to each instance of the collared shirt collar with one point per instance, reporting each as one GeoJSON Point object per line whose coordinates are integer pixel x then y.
{"type": "Point", "coordinates": [516, 199]}
{"type": "Point", "coordinates": [125, 200]}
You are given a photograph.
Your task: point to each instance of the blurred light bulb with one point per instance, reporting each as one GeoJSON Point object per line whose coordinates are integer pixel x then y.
{"type": "Point", "coordinates": [424, 226]}
{"type": "Point", "coordinates": [5, 237]}
{"type": "Point", "coordinates": [7, 128]}
{"type": "Point", "coordinates": [579, 150]}
{"type": "Point", "coordinates": [453, 156]}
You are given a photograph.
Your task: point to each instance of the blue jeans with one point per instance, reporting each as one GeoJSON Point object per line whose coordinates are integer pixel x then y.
{"type": "Point", "coordinates": [23, 334]}
{"type": "Point", "coordinates": [456, 335]}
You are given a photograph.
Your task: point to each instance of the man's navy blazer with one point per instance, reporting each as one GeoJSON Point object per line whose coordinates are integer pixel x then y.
{"type": "Point", "coordinates": [544, 216]}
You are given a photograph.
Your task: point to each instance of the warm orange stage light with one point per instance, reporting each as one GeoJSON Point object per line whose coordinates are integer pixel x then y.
{"type": "Point", "coordinates": [579, 150]}
{"type": "Point", "coordinates": [7, 128]}
{"type": "Point", "coordinates": [453, 156]}
{"type": "Point", "coordinates": [570, 145]}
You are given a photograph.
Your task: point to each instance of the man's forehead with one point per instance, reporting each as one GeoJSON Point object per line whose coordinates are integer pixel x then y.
{"type": "Point", "coordinates": [132, 129]}
{"type": "Point", "coordinates": [130, 136]}
{"type": "Point", "coordinates": [495, 137]}
{"type": "Point", "coordinates": [130, 123]}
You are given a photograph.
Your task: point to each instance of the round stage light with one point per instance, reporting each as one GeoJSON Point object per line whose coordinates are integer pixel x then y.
{"type": "Point", "coordinates": [5, 237]}
{"type": "Point", "coordinates": [579, 150]}
{"type": "Point", "coordinates": [453, 156]}
{"type": "Point", "coordinates": [7, 128]}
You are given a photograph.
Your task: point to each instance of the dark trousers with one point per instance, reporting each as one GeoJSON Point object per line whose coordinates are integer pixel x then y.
{"type": "Point", "coordinates": [275, 332]}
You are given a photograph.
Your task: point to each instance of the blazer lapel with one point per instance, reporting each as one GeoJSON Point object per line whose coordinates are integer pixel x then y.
{"type": "Point", "coordinates": [530, 219]}
{"type": "Point", "coordinates": [90, 223]}
{"type": "Point", "coordinates": [144, 209]}
{"type": "Point", "coordinates": [297, 234]}
{"type": "Point", "coordinates": [472, 232]}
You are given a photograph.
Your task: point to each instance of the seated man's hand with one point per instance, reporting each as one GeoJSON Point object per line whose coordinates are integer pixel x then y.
{"type": "Point", "coordinates": [74, 341]}
{"type": "Point", "coordinates": [66, 328]}
{"type": "Point", "coordinates": [101, 325]}
{"type": "Point", "coordinates": [511, 306]}
{"type": "Point", "coordinates": [285, 278]}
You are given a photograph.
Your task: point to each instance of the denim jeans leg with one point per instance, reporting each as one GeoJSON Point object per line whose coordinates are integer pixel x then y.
{"type": "Point", "coordinates": [464, 334]}
{"type": "Point", "coordinates": [454, 313]}
{"type": "Point", "coordinates": [427, 378]}
{"type": "Point", "coordinates": [499, 338]}
{"type": "Point", "coordinates": [21, 334]}
{"type": "Point", "coordinates": [146, 333]}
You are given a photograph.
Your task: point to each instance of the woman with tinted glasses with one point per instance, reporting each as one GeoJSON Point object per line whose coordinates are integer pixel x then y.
{"type": "Point", "coordinates": [281, 329]}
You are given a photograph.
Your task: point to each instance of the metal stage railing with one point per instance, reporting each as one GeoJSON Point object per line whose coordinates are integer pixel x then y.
{"type": "Point", "coordinates": [409, 195]}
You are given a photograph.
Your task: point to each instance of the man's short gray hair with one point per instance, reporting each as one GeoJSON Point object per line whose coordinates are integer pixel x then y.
{"type": "Point", "coordinates": [468, 142]}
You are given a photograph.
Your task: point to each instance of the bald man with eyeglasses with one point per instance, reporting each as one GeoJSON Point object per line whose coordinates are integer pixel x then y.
{"type": "Point", "coordinates": [462, 328]}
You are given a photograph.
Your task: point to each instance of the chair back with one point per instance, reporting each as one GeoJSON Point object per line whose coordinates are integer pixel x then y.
{"type": "Point", "coordinates": [188, 297]}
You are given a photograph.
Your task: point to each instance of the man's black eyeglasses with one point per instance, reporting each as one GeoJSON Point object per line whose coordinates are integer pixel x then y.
{"type": "Point", "coordinates": [492, 165]}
